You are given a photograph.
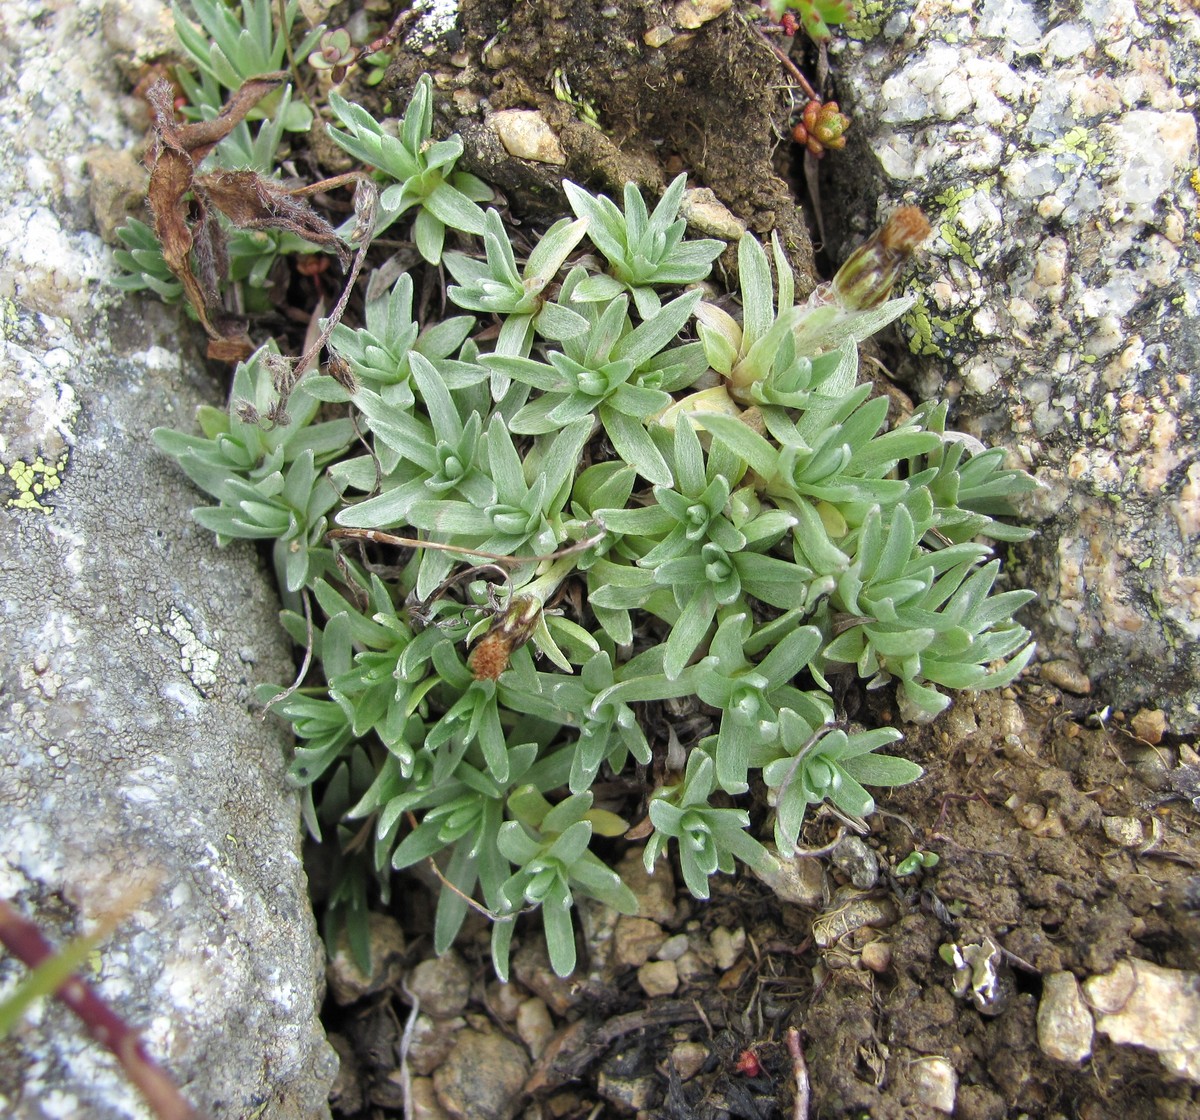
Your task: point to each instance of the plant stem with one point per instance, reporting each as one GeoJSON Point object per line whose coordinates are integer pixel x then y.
{"type": "Point", "coordinates": [25, 941]}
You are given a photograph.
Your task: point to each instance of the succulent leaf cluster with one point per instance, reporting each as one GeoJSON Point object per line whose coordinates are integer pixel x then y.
{"type": "Point", "coordinates": [604, 495]}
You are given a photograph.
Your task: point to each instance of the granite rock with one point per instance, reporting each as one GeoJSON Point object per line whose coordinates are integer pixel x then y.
{"type": "Point", "coordinates": [1054, 150]}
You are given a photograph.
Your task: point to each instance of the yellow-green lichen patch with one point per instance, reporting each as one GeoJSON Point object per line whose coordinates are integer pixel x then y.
{"type": "Point", "coordinates": [920, 329]}
{"type": "Point", "coordinates": [868, 20]}
{"type": "Point", "coordinates": [951, 222]}
{"type": "Point", "coordinates": [34, 480]}
{"type": "Point", "coordinates": [932, 334]}
{"type": "Point", "coordinates": [1077, 142]}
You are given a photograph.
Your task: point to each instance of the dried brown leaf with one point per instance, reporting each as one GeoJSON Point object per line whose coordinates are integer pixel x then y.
{"type": "Point", "coordinates": [230, 348]}
{"type": "Point", "coordinates": [253, 202]}
{"type": "Point", "coordinates": [209, 254]}
{"type": "Point", "coordinates": [180, 146]}
{"type": "Point", "coordinates": [198, 138]}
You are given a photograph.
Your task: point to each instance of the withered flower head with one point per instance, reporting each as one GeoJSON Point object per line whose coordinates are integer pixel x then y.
{"type": "Point", "coordinates": [339, 369]}
{"type": "Point", "coordinates": [866, 279]}
{"type": "Point", "coordinates": [282, 370]}
{"type": "Point", "coordinates": [509, 632]}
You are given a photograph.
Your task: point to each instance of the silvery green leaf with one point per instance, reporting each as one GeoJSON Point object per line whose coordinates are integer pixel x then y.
{"type": "Point", "coordinates": [558, 323]}
{"type": "Point", "coordinates": [552, 250]}
{"type": "Point", "coordinates": [758, 296]}
{"type": "Point", "coordinates": [634, 445]}
{"type": "Point", "coordinates": [652, 335]}
{"type": "Point", "coordinates": [606, 226]}
{"type": "Point", "coordinates": [429, 233]}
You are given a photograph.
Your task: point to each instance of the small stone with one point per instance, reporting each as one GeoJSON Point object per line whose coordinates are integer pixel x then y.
{"type": "Point", "coordinates": [442, 985]}
{"type": "Point", "coordinates": [857, 862]}
{"type": "Point", "coordinates": [849, 910]}
{"type": "Point", "coordinates": [1029, 814]}
{"type": "Point", "coordinates": [636, 941]}
{"type": "Point", "coordinates": [534, 1026]}
{"type": "Point", "coordinates": [673, 948]}
{"type": "Point", "coordinates": [424, 1102]}
{"type": "Point", "coordinates": [798, 879]}
{"type": "Point", "coordinates": [1125, 831]}
{"type": "Point", "coordinates": [659, 978]}
{"type": "Point", "coordinates": [1150, 725]}
{"type": "Point", "coordinates": [598, 923]}
{"type": "Point", "coordinates": [531, 966]}
{"type": "Point", "coordinates": [692, 967]}
{"type": "Point", "coordinates": [466, 101]}
{"type": "Point", "coordinates": [655, 892]}
{"type": "Point", "coordinates": [876, 956]}
{"type": "Point", "coordinates": [690, 14]}
{"type": "Point", "coordinates": [1153, 766]}
{"type": "Point", "coordinates": [566, 1103]}
{"type": "Point", "coordinates": [346, 1093]}
{"type": "Point", "coordinates": [706, 214]}
{"type": "Point", "coordinates": [1143, 1004]}
{"type": "Point", "coordinates": [1064, 1024]}
{"type": "Point", "coordinates": [525, 134]}
{"type": "Point", "coordinates": [657, 36]}
{"type": "Point", "coordinates": [726, 946]}
{"type": "Point", "coordinates": [505, 999]}
{"type": "Point", "coordinates": [1067, 676]}
{"type": "Point", "coordinates": [936, 1083]}
{"type": "Point", "coordinates": [387, 1090]}
{"type": "Point", "coordinates": [431, 1042]}
{"type": "Point", "coordinates": [1051, 827]}
{"type": "Point", "coordinates": [688, 1058]}
{"type": "Point", "coordinates": [117, 190]}
{"type": "Point", "coordinates": [347, 982]}
{"type": "Point", "coordinates": [482, 1077]}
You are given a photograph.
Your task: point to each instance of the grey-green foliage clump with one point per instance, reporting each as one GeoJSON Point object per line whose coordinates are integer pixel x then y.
{"type": "Point", "coordinates": [623, 495]}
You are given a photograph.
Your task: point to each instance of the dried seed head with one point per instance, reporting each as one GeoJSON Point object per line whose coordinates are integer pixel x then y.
{"type": "Point", "coordinates": [905, 230]}
{"type": "Point", "coordinates": [490, 656]}
{"type": "Point", "coordinates": [246, 412]}
{"type": "Point", "coordinates": [282, 371]}
{"type": "Point", "coordinates": [509, 632]}
{"type": "Point", "coordinates": [366, 211]}
{"type": "Point", "coordinates": [866, 279]}
{"type": "Point", "coordinates": [339, 369]}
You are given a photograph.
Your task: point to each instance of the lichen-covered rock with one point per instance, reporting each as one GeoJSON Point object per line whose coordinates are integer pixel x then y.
{"type": "Point", "coordinates": [1054, 150]}
{"type": "Point", "coordinates": [132, 773]}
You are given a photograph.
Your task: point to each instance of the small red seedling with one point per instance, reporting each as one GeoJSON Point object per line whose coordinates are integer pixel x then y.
{"type": "Point", "coordinates": [749, 1064]}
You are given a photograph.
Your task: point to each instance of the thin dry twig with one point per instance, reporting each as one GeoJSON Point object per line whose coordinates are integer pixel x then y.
{"type": "Point", "coordinates": [800, 1073]}
{"type": "Point", "coordinates": [377, 536]}
{"type": "Point", "coordinates": [410, 1026]}
{"type": "Point", "coordinates": [786, 62]}
{"type": "Point", "coordinates": [476, 906]}
{"type": "Point", "coordinates": [304, 667]}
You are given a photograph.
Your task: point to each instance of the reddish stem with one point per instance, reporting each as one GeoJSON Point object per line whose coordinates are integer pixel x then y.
{"type": "Point", "coordinates": [25, 941]}
{"type": "Point", "coordinates": [799, 1074]}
